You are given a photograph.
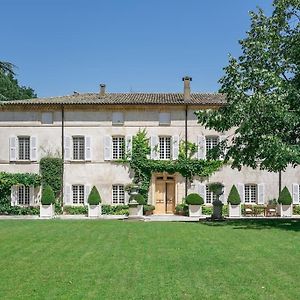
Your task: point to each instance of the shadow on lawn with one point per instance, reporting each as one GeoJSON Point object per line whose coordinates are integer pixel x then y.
{"type": "Point", "coordinates": [291, 225]}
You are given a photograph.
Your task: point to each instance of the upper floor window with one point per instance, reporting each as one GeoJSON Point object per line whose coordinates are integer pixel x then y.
{"type": "Point", "coordinates": [165, 147]}
{"type": "Point", "coordinates": [78, 194]}
{"type": "Point", "coordinates": [118, 147]}
{"type": "Point", "coordinates": [118, 194]}
{"type": "Point", "coordinates": [209, 196]}
{"type": "Point", "coordinates": [117, 118]}
{"type": "Point", "coordinates": [24, 147]}
{"type": "Point", "coordinates": [211, 142]}
{"type": "Point", "coordinates": [78, 148]}
{"type": "Point", "coordinates": [250, 193]}
{"type": "Point", "coordinates": [47, 118]}
{"type": "Point", "coordinates": [23, 197]}
{"type": "Point", "coordinates": [164, 118]}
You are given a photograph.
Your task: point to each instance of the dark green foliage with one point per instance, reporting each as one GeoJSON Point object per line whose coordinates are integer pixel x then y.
{"type": "Point", "coordinates": [148, 207]}
{"type": "Point", "coordinates": [182, 209]}
{"type": "Point", "coordinates": [285, 197]}
{"type": "Point", "coordinates": [216, 188]}
{"type": "Point", "coordinates": [94, 197]}
{"type": "Point", "coordinates": [51, 169]}
{"type": "Point", "coordinates": [75, 210]}
{"type": "Point", "coordinates": [194, 199]}
{"type": "Point", "coordinates": [115, 209]}
{"type": "Point", "coordinates": [234, 197]}
{"type": "Point", "coordinates": [6, 209]}
{"type": "Point", "coordinates": [47, 195]}
{"type": "Point", "coordinates": [296, 210]}
{"type": "Point", "coordinates": [138, 198]}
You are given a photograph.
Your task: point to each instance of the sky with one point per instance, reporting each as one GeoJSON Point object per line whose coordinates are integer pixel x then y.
{"type": "Point", "coordinates": [61, 46]}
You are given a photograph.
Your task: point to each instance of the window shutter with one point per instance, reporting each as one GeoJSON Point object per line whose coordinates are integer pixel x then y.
{"type": "Point", "coordinates": [126, 197]}
{"type": "Point", "coordinates": [117, 118]}
{"type": "Point", "coordinates": [14, 195]}
{"type": "Point", "coordinates": [33, 148]}
{"type": "Point", "coordinates": [261, 193]}
{"type": "Point", "coordinates": [67, 146]}
{"type": "Point", "coordinates": [47, 118]}
{"type": "Point", "coordinates": [13, 145]}
{"type": "Point", "coordinates": [87, 190]}
{"type": "Point", "coordinates": [68, 195]}
{"type": "Point", "coordinates": [107, 147]}
{"type": "Point", "coordinates": [241, 190]}
{"type": "Point", "coordinates": [164, 118]}
{"type": "Point", "coordinates": [202, 191]}
{"type": "Point", "coordinates": [31, 196]}
{"type": "Point", "coordinates": [201, 153]}
{"type": "Point", "coordinates": [296, 195]}
{"type": "Point", "coordinates": [222, 197]}
{"type": "Point", "coordinates": [154, 146]}
{"type": "Point", "coordinates": [88, 148]}
{"type": "Point", "coordinates": [175, 142]}
{"type": "Point", "coordinates": [128, 145]}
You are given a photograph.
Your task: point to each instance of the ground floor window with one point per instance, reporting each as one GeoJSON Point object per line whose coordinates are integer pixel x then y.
{"type": "Point", "coordinates": [118, 194]}
{"type": "Point", "coordinates": [23, 195]}
{"type": "Point", "coordinates": [78, 194]}
{"type": "Point", "coordinates": [250, 193]}
{"type": "Point", "coordinates": [210, 196]}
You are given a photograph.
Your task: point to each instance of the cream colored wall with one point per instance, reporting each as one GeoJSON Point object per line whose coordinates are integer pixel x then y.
{"type": "Point", "coordinates": [97, 123]}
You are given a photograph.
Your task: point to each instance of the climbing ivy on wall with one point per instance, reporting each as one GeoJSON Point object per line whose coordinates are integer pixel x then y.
{"type": "Point", "coordinates": [186, 165]}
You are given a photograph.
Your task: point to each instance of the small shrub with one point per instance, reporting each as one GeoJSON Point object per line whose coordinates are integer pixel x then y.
{"type": "Point", "coordinates": [138, 198]}
{"type": "Point", "coordinates": [285, 197]}
{"type": "Point", "coordinates": [194, 199]}
{"type": "Point", "coordinates": [272, 202]}
{"type": "Point", "coordinates": [225, 211]}
{"type": "Point", "coordinates": [182, 209]}
{"type": "Point", "coordinates": [94, 197]}
{"type": "Point", "coordinates": [234, 197]}
{"type": "Point", "coordinates": [75, 210]}
{"type": "Point", "coordinates": [296, 210]}
{"type": "Point", "coordinates": [147, 208]}
{"type": "Point", "coordinates": [115, 209]}
{"type": "Point", "coordinates": [47, 195]}
{"type": "Point", "coordinates": [207, 210]}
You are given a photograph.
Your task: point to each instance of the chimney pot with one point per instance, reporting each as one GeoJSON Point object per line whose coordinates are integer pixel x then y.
{"type": "Point", "coordinates": [186, 88]}
{"type": "Point", "coordinates": [102, 89]}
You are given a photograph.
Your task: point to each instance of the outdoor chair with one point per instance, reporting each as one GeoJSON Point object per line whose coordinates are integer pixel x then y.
{"type": "Point", "coordinates": [249, 211]}
{"type": "Point", "coordinates": [270, 211]}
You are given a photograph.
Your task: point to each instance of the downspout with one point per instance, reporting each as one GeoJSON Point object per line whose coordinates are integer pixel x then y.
{"type": "Point", "coordinates": [186, 146]}
{"type": "Point", "coordinates": [279, 183]}
{"type": "Point", "coordinates": [62, 153]}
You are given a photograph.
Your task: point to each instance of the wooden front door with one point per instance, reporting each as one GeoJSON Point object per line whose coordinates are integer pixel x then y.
{"type": "Point", "coordinates": [164, 195]}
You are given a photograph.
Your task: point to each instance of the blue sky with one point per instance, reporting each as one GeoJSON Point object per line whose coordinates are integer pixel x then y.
{"type": "Point", "coordinates": [61, 46]}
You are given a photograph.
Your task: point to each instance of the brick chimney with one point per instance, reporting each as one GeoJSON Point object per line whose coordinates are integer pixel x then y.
{"type": "Point", "coordinates": [102, 89]}
{"type": "Point", "coordinates": [186, 88]}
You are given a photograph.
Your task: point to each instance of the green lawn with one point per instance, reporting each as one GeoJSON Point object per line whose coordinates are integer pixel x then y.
{"type": "Point", "coordinates": [142, 260]}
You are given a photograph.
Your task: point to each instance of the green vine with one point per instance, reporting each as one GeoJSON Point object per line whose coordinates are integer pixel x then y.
{"type": "Point", "coordinates": [186, 165]}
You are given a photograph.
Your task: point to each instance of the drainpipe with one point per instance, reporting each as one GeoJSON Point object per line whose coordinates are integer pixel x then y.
{"type": "Point", "coordinates": [62, 152]}
{"type": "Point", "coordinates": [186, 149]}
{"type": "Point", "coordinates": [279, 183]}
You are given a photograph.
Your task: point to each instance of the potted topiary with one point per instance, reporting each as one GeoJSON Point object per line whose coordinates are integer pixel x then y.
{"type": "Point", "coordinates": [94, 200]}
{"type": "Point", "coordinates": [285, 201]}
{"type": "Point", "coordinates": [234, 203]}
{"type": "Point", "coordinates": [47, 203]}
{"type": "Point", "coordinates": [136, 203]}
{"type": "Point", "coordinates": [218, 189]}
{"type": "Point", "coordinates": [195, 203]}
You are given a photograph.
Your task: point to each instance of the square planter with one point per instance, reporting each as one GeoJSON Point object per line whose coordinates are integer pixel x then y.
{"type": "Point", "coordinates": [285, 210]}
{"type": "Point", "coordinates": [135, 210]}
{"type": "Point", "coordinates": [47, 211]}
{"type": "Point", "coordinates": [195, 210]}
{"type": "Point", "coordinates": [94, 211]}
{"type": "Point", "coordinates": [234, 210]}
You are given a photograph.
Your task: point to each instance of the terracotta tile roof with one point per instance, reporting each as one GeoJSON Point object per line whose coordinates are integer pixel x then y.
{"type": "Point", "coordinates": [126, 99]}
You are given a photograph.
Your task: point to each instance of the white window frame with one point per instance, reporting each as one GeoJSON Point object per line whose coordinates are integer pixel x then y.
{"type": "Point", "coordinates": [78, 142]}
{"type": "Point", "coordinates": [209, 196]}
{"type": "Point", "coordinates": [118, 194]}
{"type": "Point", "coordinates": [165, 147]}
{"type": "Point", "coordinates": [118, 147]}
{"type": "Point", "coordinates": [78, 194]}
{"type": "Point", "coordinates": [24, 193]}
{"type": "Point", "coordinates": [25, 153]}
{"type": "Point", "coordinates": [117, 118]}
{"type": "Point", "coordinates": [251, 193]}
{"type": "Point", "coordinates": [211, 141]}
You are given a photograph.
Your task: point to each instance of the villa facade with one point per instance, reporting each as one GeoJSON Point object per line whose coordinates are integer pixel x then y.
{"type": "Point", "coordinates": [90, 130]}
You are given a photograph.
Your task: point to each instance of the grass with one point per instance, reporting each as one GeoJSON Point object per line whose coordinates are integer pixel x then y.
{"type": "Point", "coordinates": [135, 260]}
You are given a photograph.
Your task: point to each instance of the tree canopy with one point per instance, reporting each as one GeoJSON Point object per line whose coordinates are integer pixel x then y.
{"type": "Point", "coordinates": [9, 86]}
{"type": "Point", "coordinates": [262, 88]}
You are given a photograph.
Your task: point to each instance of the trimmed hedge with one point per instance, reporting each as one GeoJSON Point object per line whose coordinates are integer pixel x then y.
{"type": "Point", "coordinates": [47, 195]}
{"type": "Point", "coordinates": [75, 210]}
{"type": "Point", "coordinates": [194, 199]}
{"type": "Point", "coordinates": [285, 197]}
{"type": "Point", "coordinates": [115, 209]}
{"type": "Point", "coordinates": [94, 197]}
{"type": "Point", "coordinates": [234, 197]}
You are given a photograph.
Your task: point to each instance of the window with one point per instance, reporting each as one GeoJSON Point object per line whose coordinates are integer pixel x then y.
{"type": "Point", "coordinates": [118, 194]}
{"type": "Point", "coordinates": [250, 193]}
{"type": "Point", "coordinates": [164, 118]}
{"type": "Point", "coordinates": [47, 118]}
{"type": "Point", "coordinates": [211, 142]}
{"type": "Point", "coordinates": [24, 147]}
{"type": "Point", "coordinates": [23, 195]}
{"type": "Point", "coordinates": [117, 118]}
{"type": "Point", "coordinates": [165, 147]}
{"type": "Point", "coordinates": [210, 196]}
{"type": "Point", "coordinates": [78, 194]}
{"type": "Point", "coordinates": [78, 147]}
{"type": "Point", "coordinates": [118, 145]}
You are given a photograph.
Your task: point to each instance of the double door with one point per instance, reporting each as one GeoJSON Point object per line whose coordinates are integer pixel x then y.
{"type": "Point", "coordinates": [164, 195]}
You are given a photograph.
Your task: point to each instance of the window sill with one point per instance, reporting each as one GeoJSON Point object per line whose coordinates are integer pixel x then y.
{"type": "Point", "coordinates": [25, 161]}
{"type": "Point", "coordinates": [78, 161]}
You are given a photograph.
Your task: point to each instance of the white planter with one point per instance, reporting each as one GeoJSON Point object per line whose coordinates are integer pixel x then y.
{"type": "Point", "coordinates": [195, 210]}
{"type": "Point", "coordinates": [135, 210]}
{"type": "Point", "coordinates": [234, 210]}
{"type": "Point", "coordinates": [285, 210]}
{"type": "Point", "coordinates": [47, 211]}
{"type": "Point", "coordinates": [94, 211]}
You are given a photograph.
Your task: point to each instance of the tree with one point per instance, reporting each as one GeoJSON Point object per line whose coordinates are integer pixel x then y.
{"type": "Point", "coordinates": [9, 86]}
{"type": "Point", "coordinates": [262, 87]}
{"type": "Point", "coordinates": [47, 195]}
